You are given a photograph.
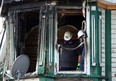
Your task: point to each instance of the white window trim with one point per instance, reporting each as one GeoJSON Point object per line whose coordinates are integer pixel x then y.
{"type": "Point", "coordinates": [87, 56]}
{"type": "Point", "coordinates": [88, 40]}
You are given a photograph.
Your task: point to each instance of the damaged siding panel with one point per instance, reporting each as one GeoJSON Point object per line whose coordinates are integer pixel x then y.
{"type": "Point", "coordinates": [113, 37]}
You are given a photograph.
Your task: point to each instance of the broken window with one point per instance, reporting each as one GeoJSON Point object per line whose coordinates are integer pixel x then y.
{"type": "Point", "coordinates": [70, 48]}
{"type": "Point", "coordinates": [27, 36]}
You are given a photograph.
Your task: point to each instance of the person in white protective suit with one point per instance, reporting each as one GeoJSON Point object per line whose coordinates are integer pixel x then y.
{"type": "Point", "coordinates": [81, 36]}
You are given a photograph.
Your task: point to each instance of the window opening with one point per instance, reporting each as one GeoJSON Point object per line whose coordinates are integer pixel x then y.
{"type": "Point", "coordinates": [70, 47]}
{"type": "Point", "coordinates": [28, 36]}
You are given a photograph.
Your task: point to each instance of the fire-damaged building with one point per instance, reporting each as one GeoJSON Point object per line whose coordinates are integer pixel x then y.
{"type": "Point", "coordinates": [58, 40]}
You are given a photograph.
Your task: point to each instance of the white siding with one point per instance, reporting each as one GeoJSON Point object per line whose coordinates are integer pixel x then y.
{"type": "Point", "coordinates": [113, 45]}
{"type": "Point", "coordinates": [112, 1]}
{"type": "Point", "coordinates": [103, 43]}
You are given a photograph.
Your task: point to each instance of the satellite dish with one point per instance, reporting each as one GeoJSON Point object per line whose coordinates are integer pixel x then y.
{"type": "Point", "coordinates": [20, 66]}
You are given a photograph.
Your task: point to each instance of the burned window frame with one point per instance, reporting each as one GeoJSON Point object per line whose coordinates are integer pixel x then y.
{"type": "Point", "coordinates": [15, 11]}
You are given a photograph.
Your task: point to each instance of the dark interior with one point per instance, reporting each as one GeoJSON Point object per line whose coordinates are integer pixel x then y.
{"type": "Point", "coordinates": [69, 22]}
{"type": "Point", "coordinates": [28, 36]}
{"type": "Point", "coordinates": [75, 20]}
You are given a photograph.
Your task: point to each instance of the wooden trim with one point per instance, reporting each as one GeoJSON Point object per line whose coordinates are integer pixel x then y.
{"type": "Point", "coordinates": [108, 60]}
{"type": "Point", "coordinates": [106, 5]}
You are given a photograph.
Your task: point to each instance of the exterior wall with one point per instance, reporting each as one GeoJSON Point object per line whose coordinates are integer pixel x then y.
{"type": "Point", "coordinates": [3, 48]}
{"type": "Point", "coordinates": [2, 40]}
{"type": "Point", "coordinates": [62, 79]}
{"type": "Point", "coordinates": [113, 45]}
{"type": "Point", "coordinates": [103, 48]}
{"type": "Point", "coordinates": [103, 43]}
{"type": "Point", "coordinates": [8, 46]}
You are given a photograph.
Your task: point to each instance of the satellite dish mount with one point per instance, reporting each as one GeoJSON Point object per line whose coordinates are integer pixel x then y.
{"type": "Point", "coordinates": [20, 66]}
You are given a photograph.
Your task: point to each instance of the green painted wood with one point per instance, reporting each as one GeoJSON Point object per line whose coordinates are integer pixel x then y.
{"type": "Point", "coordinates": [108, 44]}
{"type": "Point", "coordinates": [46, 79]}
{"type": "Point", "coordinates": [42, 57]}
{"type": "Point", "coordinates": [50, 40]}
{"type": "Point", "coordinates": [94, 37]}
